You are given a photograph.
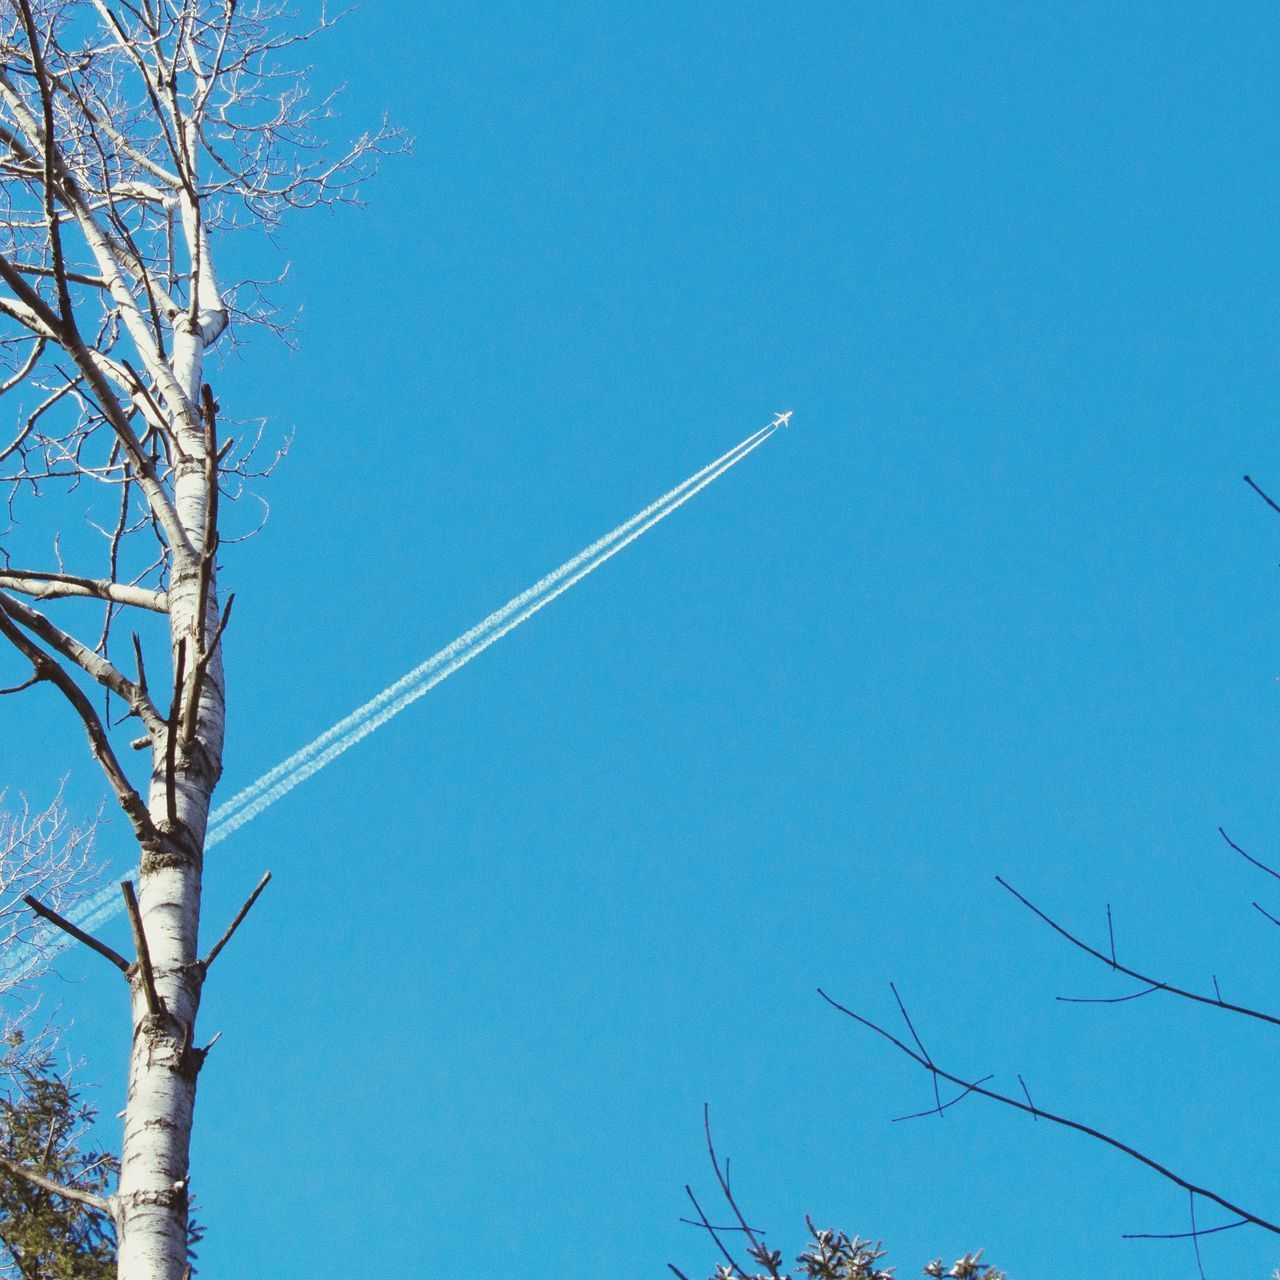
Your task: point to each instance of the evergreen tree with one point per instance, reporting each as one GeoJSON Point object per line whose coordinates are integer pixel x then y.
{"type": "Point", "coordinates": [44, 1129]}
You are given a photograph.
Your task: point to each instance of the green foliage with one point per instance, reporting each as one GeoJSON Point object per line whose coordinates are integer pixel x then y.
{"type": "Point", "coordinates": [43, 1122]}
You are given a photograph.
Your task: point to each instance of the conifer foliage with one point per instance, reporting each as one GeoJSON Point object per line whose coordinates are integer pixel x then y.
{"type": "Point", "coordinates": [44, 1127]}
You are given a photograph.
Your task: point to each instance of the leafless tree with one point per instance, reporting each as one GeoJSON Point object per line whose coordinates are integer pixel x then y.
{"type": "Point", "coordinates": [45, 854]}
{"type": "Point", "coordinates": [135, 137]}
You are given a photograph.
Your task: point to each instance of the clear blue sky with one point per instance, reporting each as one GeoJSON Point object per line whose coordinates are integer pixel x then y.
{"type": "Point", "coordinates": [997, 603]}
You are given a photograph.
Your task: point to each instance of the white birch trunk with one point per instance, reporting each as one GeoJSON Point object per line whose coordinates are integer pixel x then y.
{"type": "Point", "coordinates": [153, 1197]}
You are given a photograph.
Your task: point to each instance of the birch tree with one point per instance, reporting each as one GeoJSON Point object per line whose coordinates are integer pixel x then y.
{"type": "Point", "coordinates": [135, 137]}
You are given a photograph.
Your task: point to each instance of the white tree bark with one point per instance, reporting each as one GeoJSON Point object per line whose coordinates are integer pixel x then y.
{"type": "Point", "coordinates": [152, 1199]}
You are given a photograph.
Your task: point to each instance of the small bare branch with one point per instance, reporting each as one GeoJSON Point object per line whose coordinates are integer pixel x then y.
{"type": "Point", "coordinates": [29, 683]}
{"type": "Point", "coordinates": [1215, 1000]}
{"type": "Point", "coordinates": [1252, 485]}
{"type": "Point", "coordinates": [44, 665]}
{"type": "Point", "coordinates": [1088, 1130]}
{"type": "Point", "coordinates": [722, 1177]}
{"type": "Point", "coordinates": [216, 949]}
{"type": "Point", "coordinates": [155, 1005]}
{"type": "Point", "coordinates": [705, 1223]}
{"type": "Point", "coordinates": [49, 914]}
{"type": "Point", "coordinates": [91, 663]}
{"type": "Point", "coordinates": [1185, 1235]}
{"type": "Point", "coordinates": [1248, 857]}
{"type": "Point", "coordinates": [1266, 913]}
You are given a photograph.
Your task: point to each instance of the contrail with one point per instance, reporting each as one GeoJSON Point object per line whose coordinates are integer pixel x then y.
{"type": "Point", "coordinates": [253, 800]}
{"type": "Point", "coordinates": [375, 713]}
{"type": "Point", "coordinates": [255, 790]}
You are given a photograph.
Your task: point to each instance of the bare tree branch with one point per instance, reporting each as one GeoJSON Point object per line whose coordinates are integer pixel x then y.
{"type": "Point", "coordinates": [1155, 984]}
{"type": "Point", "coordinates": [1250, 482]}
{"type": "Point", "coordinates": [216, 949]}
{"type": "Point", "coordinates": [66, 646]}
{"type": "Point", "coordinates": [61, 922]}
{"type": "Point", "coordinates": [99, 744]}
{"type": "Point", "coordinates": [57, 586]}
{"type": "Point", "coordinates": [1065, 1122]}
{"type": "Point", "coordinates": [1248, 857]}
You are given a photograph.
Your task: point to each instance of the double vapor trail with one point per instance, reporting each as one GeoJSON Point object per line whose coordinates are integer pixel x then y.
{"type": "Point", "coordinates": [247, 804]}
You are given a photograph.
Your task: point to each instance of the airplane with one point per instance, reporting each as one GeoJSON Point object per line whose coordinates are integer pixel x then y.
{"type": "Point", "coordinates": [783, 419]}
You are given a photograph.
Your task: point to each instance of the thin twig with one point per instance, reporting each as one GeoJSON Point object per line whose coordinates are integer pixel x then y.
{"type": "Point", "coordinates": [1213, 1001]}
{"type": "Point", "coordinates": [1133, 995]}
{"type": "Point", "coordinates": [192, 712]}
{"type": "Point", "coordinates": [1195, 1235]}
{"type": "Point", "coordinates": [704, 1221]}
{"type": "Point", "coordinates": [960, 1097]}
{"type": "Point", "coordinates": [142, 666]}
{"type": "Point", "coordinates": [1026, 1093]}
{"type": "Point", "coordinates": [1184, 1235]}
{"type": "Point", "coordinates": [902, 1008]}
{"type": "Point", "coordinates": [757, 1252]}
{"type": "Point", "coordinates": [1266, 913]}
{"type": "Point", "coordinates": [691, 1222]}
{"type": "Point", "coordinates": [1248, 857]}
{"type": "Point", "coordinates": [1249, 480]}
{"type": "Point", "coordinates": [35, 679]}
{"type": "Point", "coordinates": [235, 924]}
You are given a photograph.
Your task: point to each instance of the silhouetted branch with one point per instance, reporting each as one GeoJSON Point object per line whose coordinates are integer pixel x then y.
{"type": "Point", "coordinates": [1214, 1001]}
{"type": "Point", "coordinates": [171, 734]}
{"type": "Point", "coordinates": [1026, 1093]}
{"type": "Point", "coordinates": [902, 1008]}
{"type": "Point", "coordinates": [1249, 480]}
{"type": "Point", "coordinates": [1026, 1107]}
{"type": "Point", "coordinates": [758, 1250]}
{"type": "Point", "coordinates": [1133, 995]}
{"type": "Point", "coordinates": [1266, 913]}
{"type": "Point", "coordinates": [1184, 1235]}
{"type": "Point", "coordinates": [1248, 857]}
{"type": "Point", "coordinates": [46, 667]}
{"type": "Point", "coordinates": [941, 1107]}
{"type": "Point", "coordinates": [705, 1222]}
